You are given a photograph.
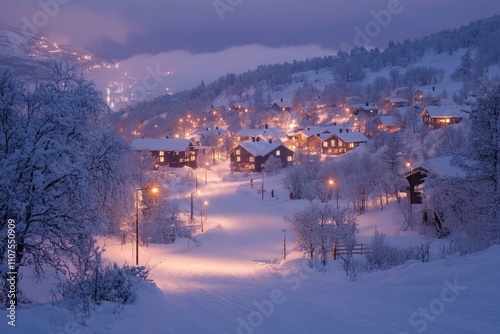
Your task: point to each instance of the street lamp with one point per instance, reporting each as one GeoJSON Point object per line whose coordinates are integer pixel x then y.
{"type": "Point", "coordinates": [192, 195]}
{"type": "Point", "coordinates": [262, 186]}
{"type": "Point", "coordinates": [284, 244]}
{"type": "Point", "coordinates": [154, 190]}
{"type": "Point", "coordinates": [332, 183]}
{"type": "Point", "coordinates": [196, 178]}
{"type": "Point", "coordinates": [206, 167]}
{"type": "Point", "coordinates": [203, 209]}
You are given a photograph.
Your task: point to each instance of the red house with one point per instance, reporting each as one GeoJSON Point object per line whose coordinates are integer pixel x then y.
{"type": "Point", "coordinates": [250, 155]}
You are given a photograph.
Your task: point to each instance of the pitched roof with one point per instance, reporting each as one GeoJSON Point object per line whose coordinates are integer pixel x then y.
{"type": "Point", "coordinates": [270, 133]}
{"type": "Point", "coordinates": [443, 111]}
{"type": "Point", "coordinates": [151, 144]}
{"type": "Point", "coordinates": [260, 148]}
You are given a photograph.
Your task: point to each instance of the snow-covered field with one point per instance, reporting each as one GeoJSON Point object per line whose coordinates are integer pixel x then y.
{"type": "Point", "coordinates": [233, 279]}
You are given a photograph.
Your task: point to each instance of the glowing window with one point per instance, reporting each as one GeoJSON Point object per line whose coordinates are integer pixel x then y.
{"type": "Point", "coordinates": [278, 153]}
{"type": "Point", "coordinates": [289, 158]}
{"type": "Point", "coordinates": [238, 152]}
{"type": "Point", "coordinates": [162, 153]}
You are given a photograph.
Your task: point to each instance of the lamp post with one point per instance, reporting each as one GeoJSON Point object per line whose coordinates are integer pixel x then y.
{"type": "Point", "coordinates": [262, 186]}
{"type": "Point", "coordinates": [192, 195]}
{"type": "Point", "coordinates": [284, 244]}
{"type": "Point", "coordinates": [332, 183]}
{"type": "Point", "coordinates": [206, 167]}
{"type": "Point", "coordinates": [153, 190]}
{"type": "Point", "coordinates": [203, 209]}
{"type": "Point", "coordinates": [196, 178]}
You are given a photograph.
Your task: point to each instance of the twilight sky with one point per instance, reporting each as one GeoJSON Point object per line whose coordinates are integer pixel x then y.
{"type": "Point", "coordinates": [242, 32]}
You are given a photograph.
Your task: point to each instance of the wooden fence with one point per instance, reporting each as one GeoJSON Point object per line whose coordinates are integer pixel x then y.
{"type": "Point", "coordinates": [340, 249]}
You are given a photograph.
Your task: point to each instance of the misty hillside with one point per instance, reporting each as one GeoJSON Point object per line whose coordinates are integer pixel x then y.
{"type": "Point", "coordinates": [31, 56]}
{"type": "Point", "coordinates": [449, 61]}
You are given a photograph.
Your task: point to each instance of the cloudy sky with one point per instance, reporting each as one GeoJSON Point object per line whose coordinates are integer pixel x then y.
{"type": "Point", "coordinates": [242, 33]}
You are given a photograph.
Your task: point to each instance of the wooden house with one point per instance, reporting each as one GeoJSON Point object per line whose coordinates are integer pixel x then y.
{"type": "Point", "coordinates": [248, 156]}
{"type": "Point", "coordinates": [368, 109]}
{"type": "Point", "coordinates": [437, 117]}
{"type": "Point", "coordinates": [338, 142]}
{"type": "Point", "coordinates": [169, 152]}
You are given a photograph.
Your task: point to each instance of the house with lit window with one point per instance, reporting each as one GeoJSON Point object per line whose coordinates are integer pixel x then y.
{"type": "Point", "coordinates": [169, 152]}
{"type": "Point", "coordinates": [437, 117]}
{"type": "Point", "coordinates": [338, 142]}
{"type": "Point", "coordinates": [248, 156]}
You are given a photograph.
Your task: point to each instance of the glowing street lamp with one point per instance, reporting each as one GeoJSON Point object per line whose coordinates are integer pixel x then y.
{"type": "Point", "coordinates": [332, 183]}
{"type": "Point", "coordinates": [154, 190]}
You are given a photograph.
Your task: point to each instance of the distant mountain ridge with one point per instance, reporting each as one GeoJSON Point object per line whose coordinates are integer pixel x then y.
{"type": "Point", "coordinates": [30, 56]}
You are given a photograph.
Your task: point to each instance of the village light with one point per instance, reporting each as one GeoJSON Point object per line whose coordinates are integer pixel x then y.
{"type": "Point", "coordinates": [154, 190]}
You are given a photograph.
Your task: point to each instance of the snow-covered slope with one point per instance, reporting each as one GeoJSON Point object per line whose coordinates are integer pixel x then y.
{"type": "Point", "coordinates": [233, 279]}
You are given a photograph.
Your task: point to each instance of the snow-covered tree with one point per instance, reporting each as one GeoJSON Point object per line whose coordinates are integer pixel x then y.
{"type": "Point", "coordinates": [62, 174]}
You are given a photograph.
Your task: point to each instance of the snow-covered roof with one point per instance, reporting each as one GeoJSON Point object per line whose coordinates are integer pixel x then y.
{"type": "Point", "coordinates": [346, 135]}
{"type": "Point", "coordinates": [151, 144]}
{"type": "Point", "coordinates": [269, 132]}
{"type": "Point", "coordinates": [351, 136]}
{"type": "Point", "coordinates": [397, 100]}
{"type": "Point", "coordinates": [370, 106]}
{"type": "Point", "coordinates": [214, 131]}
{"type": "Point", "coordinates": [260, 148]}
{"type": "Point", "coordinates": [387, 120]}
{"type": "Point", "coordinates": [443, 111]}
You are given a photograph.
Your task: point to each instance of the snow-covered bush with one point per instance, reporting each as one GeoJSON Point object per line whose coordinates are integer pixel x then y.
{"type": "Point", "coordinates": [83, 292]}
{"type": "Point", "coordinates": [272, 166]}
{"type": "Point", "coordinates": [383, 256]}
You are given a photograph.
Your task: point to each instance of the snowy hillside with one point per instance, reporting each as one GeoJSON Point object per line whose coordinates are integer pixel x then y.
{"type": "Point", "coordinates": [233, 280]}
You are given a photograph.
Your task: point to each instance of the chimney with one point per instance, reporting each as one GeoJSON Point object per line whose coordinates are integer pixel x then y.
{"type": "Point", "coordinates": [257, 139]}
{"type": "Point", "coordinates": [346, 130]}
{"type": "Point", "coordinates": [267, 126]}
{"type": "Point", "coordinates": [253, 139]}
{"type": "Point", "coordinates": [433, 88]}
{"type": "Point", "coordinates": [216, 128]}
{"type": "Point", "coordinates": [281, 100]}
{"type": "Point", "coordinates": [166, 137]}
{"type": "Point", "coordinates": [334, 123]}
{"type": "Point", "coordinates": [270, 141]}
{"type": "Point", "coordinates": [340, 130]}
{"type": "Point", "coordinates": [367, 104]}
